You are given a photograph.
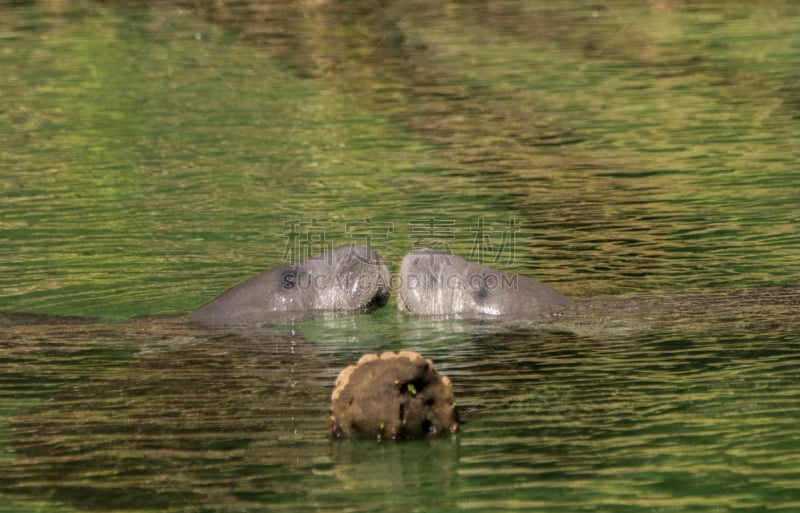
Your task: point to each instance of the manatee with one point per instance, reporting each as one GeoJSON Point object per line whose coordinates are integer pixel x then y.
{"type": "Point", "coordinates": [437, 283]}
{"type": "Point", "coordinates": [348, 279]}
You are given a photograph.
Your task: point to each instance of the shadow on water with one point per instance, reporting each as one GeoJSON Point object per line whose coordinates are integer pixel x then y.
{"type": "Point", "coordinates": [162, 415]}
{"type": "Point", "coordinates": [146, 425]}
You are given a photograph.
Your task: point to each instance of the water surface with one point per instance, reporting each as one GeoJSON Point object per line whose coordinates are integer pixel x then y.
{"type": "Point", "coordinates": [640, 158]}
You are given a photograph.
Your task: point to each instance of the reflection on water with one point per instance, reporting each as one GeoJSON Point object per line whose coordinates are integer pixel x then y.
{"type": "Point", "coordinates": [160, 415]}
{"type": "Point", "coordinates": [640, 157]}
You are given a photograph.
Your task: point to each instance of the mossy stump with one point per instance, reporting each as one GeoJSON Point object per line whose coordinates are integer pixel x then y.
{"type": "Point", "coordinates": [397, 396]}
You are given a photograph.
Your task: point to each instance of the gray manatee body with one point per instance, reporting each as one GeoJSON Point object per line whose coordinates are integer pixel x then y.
{"type": "Point", "coordinates": [348, 279]}
{"type": "Point", "coordinates": [436, 283]}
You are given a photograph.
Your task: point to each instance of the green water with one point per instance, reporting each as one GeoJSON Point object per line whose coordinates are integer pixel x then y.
{"type": "Point", "coordinates": [640, 158]}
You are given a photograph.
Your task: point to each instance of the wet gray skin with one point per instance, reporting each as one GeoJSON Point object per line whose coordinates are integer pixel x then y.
{"type": "Point", "coordinates": [436, 283]}
{"type": "Point", "coordinates": [348, 279]}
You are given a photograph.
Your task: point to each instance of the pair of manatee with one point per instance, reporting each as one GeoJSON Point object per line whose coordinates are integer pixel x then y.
{"type": "Point", "coordinates": [354, 278]}
{"type": "Point", "coordinates": [394, 395]}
